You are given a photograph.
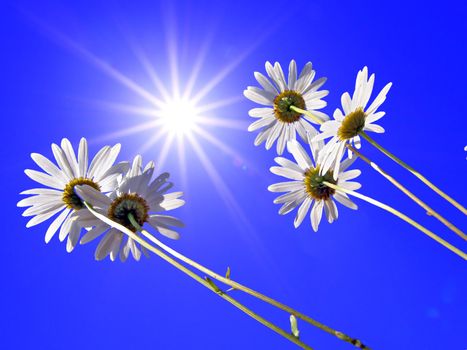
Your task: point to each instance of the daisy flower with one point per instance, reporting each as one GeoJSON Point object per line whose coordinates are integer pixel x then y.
{"type": "Point", "coordinates": [136, 194]}
{"type": "Point", "coordinates": [307, 190]}
{"type": "Point", "coordinates": [355, 118]}
{"type": "Point", "coordinates": [61, 180]}
{"type": "Point", "coordinates": [278, 121]}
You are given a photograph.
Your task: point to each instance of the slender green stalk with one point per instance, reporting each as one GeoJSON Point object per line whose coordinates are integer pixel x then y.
{"type": "Point", "coordinates": [412, 196]}
{"type": "Point", "coordinates": [206, 283]}
{"type": "Point", "coordinates": [414, 172]}
{"type": "Point", "coordinates": [401, 216]}
{"type": "Point", "coordinates": [238, 286]}
{"type": "Point", "coordinates": [397, 184]}
{"type": "Point", "coordinates": [311, 115]}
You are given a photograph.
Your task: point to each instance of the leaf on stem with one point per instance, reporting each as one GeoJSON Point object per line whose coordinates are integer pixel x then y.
{"type": "Point", "coordinates": [294, 326]}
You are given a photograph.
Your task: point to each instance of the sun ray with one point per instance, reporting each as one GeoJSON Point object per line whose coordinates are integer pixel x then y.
{"type": "Point", "coordinates": [151, 141]}
{"type": "Point", "coordinates": [219, 103]}
{"type": "Point", "coordinates": [127, 131]}
{"type": "Point", "coordinates": [165, 150]}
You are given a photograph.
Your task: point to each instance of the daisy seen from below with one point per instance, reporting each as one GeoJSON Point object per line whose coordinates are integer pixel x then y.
{"type": "Point", "coordinates": [61, 180]}
{"type": "Point", "coordinates": [306, 189]}
{"type": "Point", "coordinates": [137, 195]}
{"type": "Point", "coordinates": [281, 119]}
{"type": "Point", "coordinates": [354, 118]}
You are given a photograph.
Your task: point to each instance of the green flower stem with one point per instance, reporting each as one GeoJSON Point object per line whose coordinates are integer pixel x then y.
{"type": "Point", "coordinates": [303, 111]}
{"type": "Point", "coordinates": [397, 184]}
{"type": "Point", "coordinates": [412, 196]}
{"type": "Point", "coordinates": [401, 216]}
{"type": "Point", "coordinates": [238, 286]}
{"type": "Point", "coordinates": [208, 284]}
{"type": "Point", "coordinates": [414, 172]}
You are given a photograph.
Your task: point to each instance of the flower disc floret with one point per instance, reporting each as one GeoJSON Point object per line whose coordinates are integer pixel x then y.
{"type": "Point", "coordinates": [352, 125]}
{"type": "Point", "coordinates": [284, 101]}
{"type": "Point", "coordinates": [70, 198]}
{"type": "Point", "coordinates": [314, 183]}
{"type": "Point", "coordinates": [129, 203]}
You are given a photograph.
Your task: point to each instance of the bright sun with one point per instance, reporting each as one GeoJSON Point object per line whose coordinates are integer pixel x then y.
{"type": "Point", "coordinates": [178, 116]}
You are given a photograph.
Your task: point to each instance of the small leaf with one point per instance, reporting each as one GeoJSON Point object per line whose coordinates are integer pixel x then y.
{"type": "Point", "coordinates": [227, 274]}
{"type": "Point", "coordinates": [213, 285]}
{"type": "Point", "coordinates": [294, 327]}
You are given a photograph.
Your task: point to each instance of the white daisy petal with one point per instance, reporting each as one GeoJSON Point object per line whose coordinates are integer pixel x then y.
{"type": "Point", "coordinates": [49, 167]}
{"type": "Point", "coordinates": [301, 157]}
{"type": "Point", "coordinates": [316, 214]}
{"type": "Point", "coordinates": [83, 157]}
{"type": "Point", "coordinates": [304, 207]}
{"type": "Point", "coordinates": [286, 186]}
{"type": "Point", "coordinates": [261, 123]}
{"type": "Point", "coordinates": [287, 173]}
{"type": "Point", "coordinates": [54, 226]}
{"type": "Point", "coordinates": [375, 128]}
{"type": "Point", "coordinates": [71, 157]}
{"type": "Point", "coordinates": [45, 179]}
{"type": "Point", "coordinates": [344, 200]}
{"type": "Point", "coordinates": [73, 237]}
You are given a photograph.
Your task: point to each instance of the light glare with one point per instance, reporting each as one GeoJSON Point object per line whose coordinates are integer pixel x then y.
{"type": "Point", "coordinates": [178, 116]}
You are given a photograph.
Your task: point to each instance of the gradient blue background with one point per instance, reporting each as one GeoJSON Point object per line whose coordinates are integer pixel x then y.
{"type": "Point", "coordinates": [368, 274]}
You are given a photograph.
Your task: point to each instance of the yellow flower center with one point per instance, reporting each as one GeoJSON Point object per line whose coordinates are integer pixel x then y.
{"type": "Point", "coordinates": [314, 184]}
{"type": "Point", "coordinates": [129, 203]}
{"type": "Point", "coordinates": [70, 198]}
{"type": "Point", "coordinates": [352, 124]}
{"type": "Point", "coordinates": [284, 101]}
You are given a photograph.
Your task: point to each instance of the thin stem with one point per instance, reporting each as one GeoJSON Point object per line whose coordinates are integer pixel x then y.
{"type": "Point", "coordinates": [308, 113]}
{"type": "Point", "coordinates": [414, 172]}
{"type": "Point", "coordinates": [197, 278]}
{"type": "Point", "coordinates": [412, 196]}
{"type": "Point", "coordinates": [249, 291]}
{"type": "Point", "coordinates": [401, 216]}
{"type": "Point", "coordinates": [417, 200]}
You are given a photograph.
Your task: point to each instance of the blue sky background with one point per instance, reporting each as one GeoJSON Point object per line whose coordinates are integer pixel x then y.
{"type": "Point", "coordinates": [368, 274]}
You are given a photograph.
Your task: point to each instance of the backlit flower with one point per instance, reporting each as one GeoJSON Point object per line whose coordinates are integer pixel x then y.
{"type": "Point", "coordinates": [61, 181]}
{"type": "Point", "coordinates": [278, 121]}
{"type": "Point", "coordinates": [137, 195]}
{"type": "Point", "coordinates": [307, 189]}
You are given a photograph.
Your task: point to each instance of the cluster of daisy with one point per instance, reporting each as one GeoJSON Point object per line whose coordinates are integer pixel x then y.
{"type": "Point", "coordinates": [116, 190]}
{"type": "Point", "coordinates": [292, 106]}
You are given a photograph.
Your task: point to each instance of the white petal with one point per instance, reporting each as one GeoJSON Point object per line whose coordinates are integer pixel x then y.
{"type": "Point", "coordinates": [286, 186]}
{"type": "Point", "coordinates": [97, 160]}
{"type": "Point", "coordinates": [350, 185]}
{"type": "Point", "coordinates": [49, 167]}
{"type": "Point", "coordinates": [292, 75]}
{"type": "Point", "coordinates": [344, 200]}
{"type": "Point", "coordinates": [302, 211]}
{"type": "Point", "coordinates": [73, 237]}
{"type": "Point", "coordinates": [107, 162]}
{"type": "Point", "coordinates": [83, 157]}
{"type": "Point", "coordinates": [287, 173]}
{"type": "Point", "coordinates": [300, 155]}
{"type": "Point", "coordinates": [288, 164]}
{"type": "Point", "coordinates": [375, 128]}
{"type": "Point", "coordinates": [42, 217]}
{"type": "Point", "coordinates": [261, 112]}
{"type": "Point", "coordinates": [379, 99]}
{"type": "Point", "coordinates": [167, 220]}
{"type": "Point", "coordinates": [62, 161]}
{"type": "Point", "coordinates": [92, 196]}
{"type": "Point", "coordinates": [55, 225]}
{"type": "Point", "coordinates": [276, 130]}
{"type": "Point", "coordinates": [45, 179]}
{"type": "Point", "coordinates": [349, 175]}
{"type": "Point", "coordinates": [316, 214]}
{"type": "Point", "coordinates": [70, 155]}
{"type": "Point", "coordinates": [257, 97]}
{"type": "Point", "coordinates": [261, 123]}
{"type": "Point", "coordinates": [265, 83]}
{"type": "Point", "coordinates": [94, 233]}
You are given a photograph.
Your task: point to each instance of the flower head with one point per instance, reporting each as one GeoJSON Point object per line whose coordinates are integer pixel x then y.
{"type": "Point", "coordinates": [135, 195]}
{"type": "Point", "coordinates": [308, 189]}
{"type": "Point", "coordinates": [278, 121]}
{"type": "Point", "coordinates": [60, 196]}
{"type": "Point", "coordinates": [349, 122]}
